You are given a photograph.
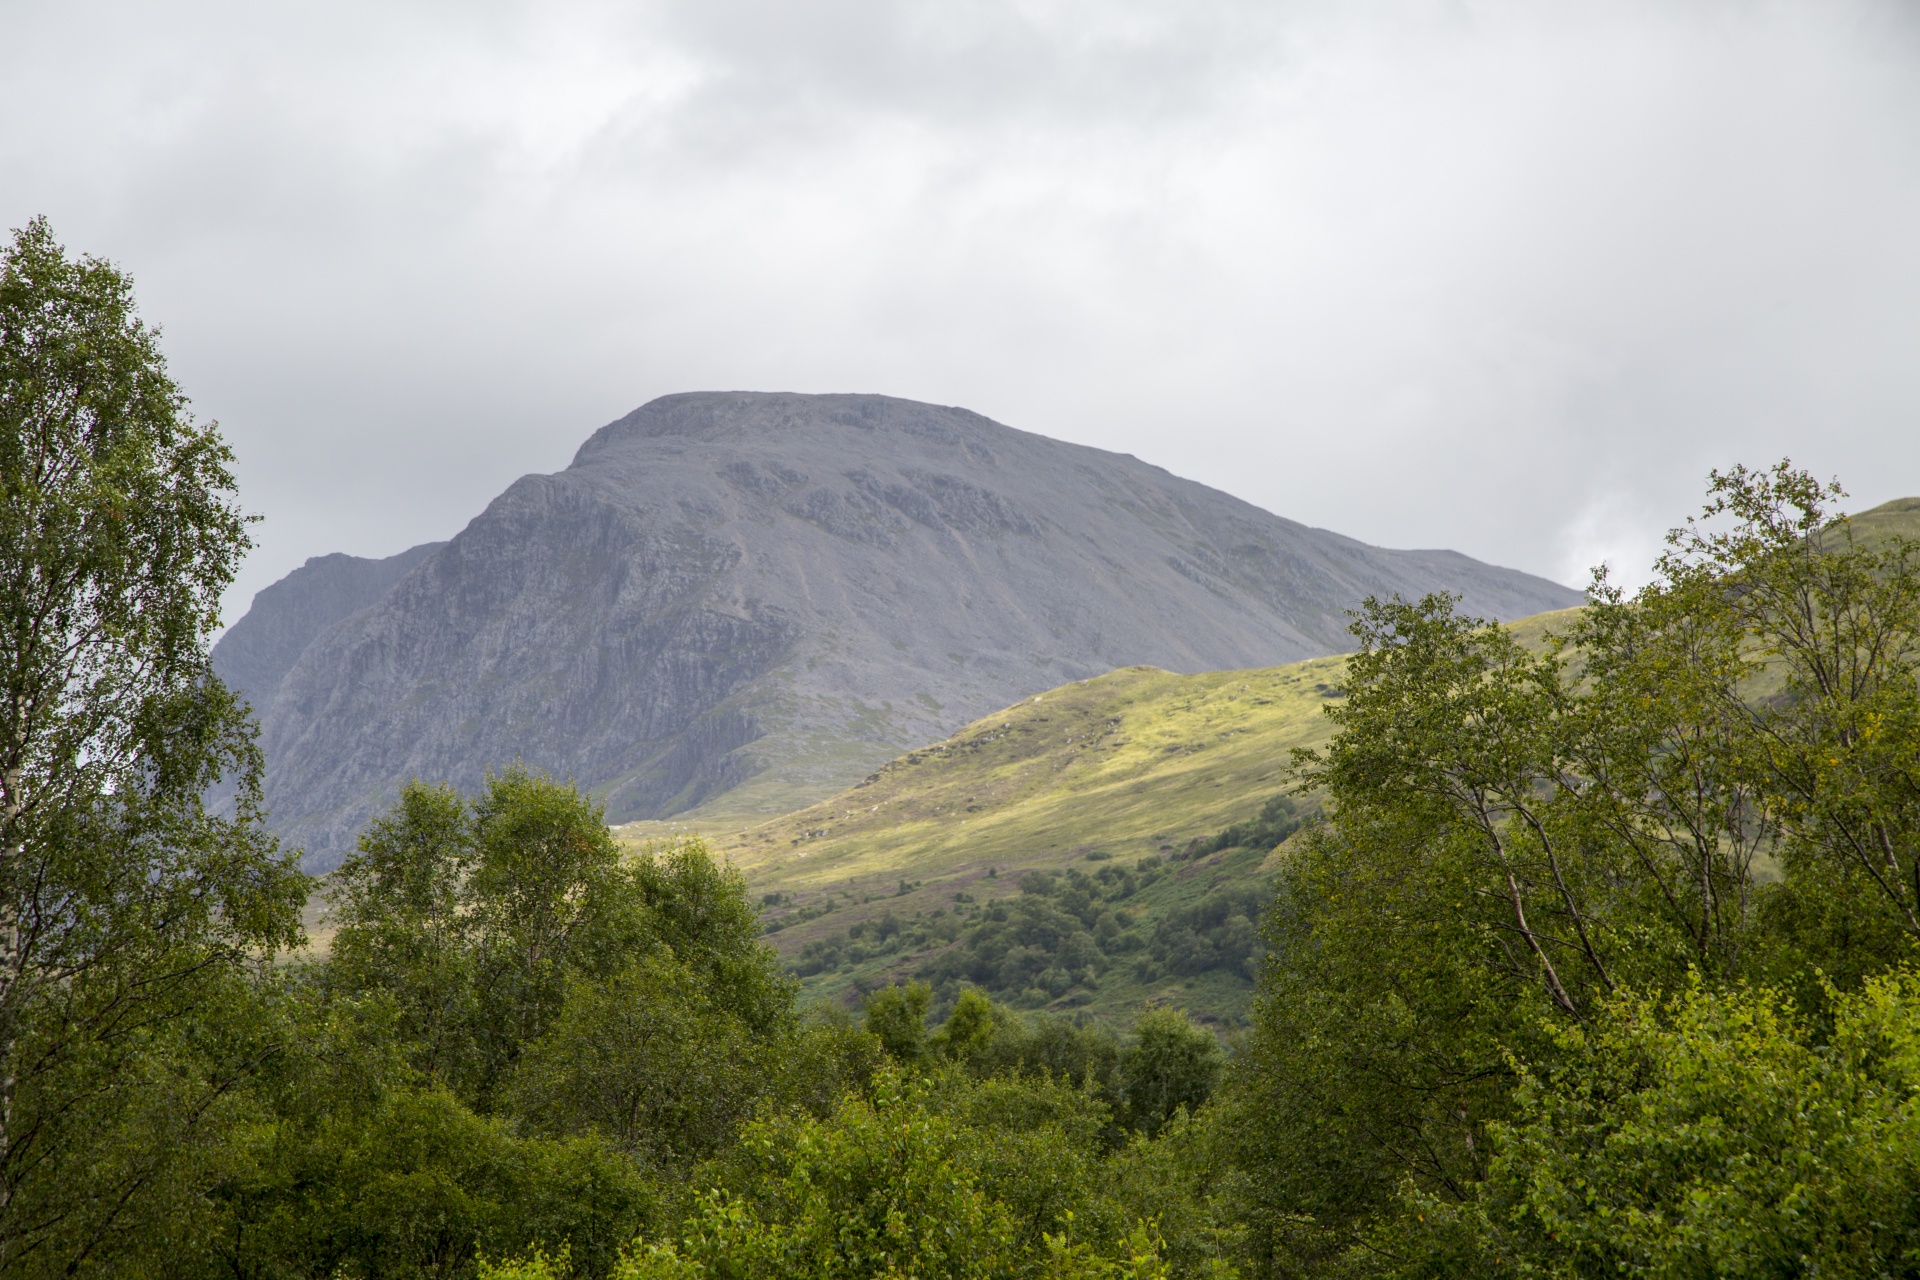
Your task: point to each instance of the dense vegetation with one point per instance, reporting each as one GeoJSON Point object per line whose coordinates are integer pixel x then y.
{"type": "Point", "coordinates": [1602, 961]}
{"type": "Point", "coordinates": [1072, 932]}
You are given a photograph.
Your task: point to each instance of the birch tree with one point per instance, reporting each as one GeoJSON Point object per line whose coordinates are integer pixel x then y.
{"type": "Point", "coordinates": [129, 908]}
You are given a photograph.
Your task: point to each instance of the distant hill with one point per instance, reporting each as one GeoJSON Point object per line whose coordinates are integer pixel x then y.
{"type": "Point", "coordinates": [1136, 794]}
{"type": "Point", "coordinates": [742, 602]}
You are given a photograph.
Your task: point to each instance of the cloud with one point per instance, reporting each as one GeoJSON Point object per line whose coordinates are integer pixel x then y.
{"type": "Point", "coordinates": [1491, 275]}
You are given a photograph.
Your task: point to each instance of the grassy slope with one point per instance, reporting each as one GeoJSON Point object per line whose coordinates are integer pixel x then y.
{"type": "Point", "coordinates": [1129, 764]}
{"type": "Point", "coordinates": [1899, 518]}
{"type": "Point", "coordinates": [1126, 763]}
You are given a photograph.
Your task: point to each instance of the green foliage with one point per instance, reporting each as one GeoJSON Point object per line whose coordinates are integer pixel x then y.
{"type": "Point", "coordinates": [549, 901]}
{"type": "Point", "coordinates": [1182, 1182]}
{"type": "Point", "coordinates": [944, 1176]}
{"type": "Point", "coordinates": [1167, 1067]}
{"type": "Point", "coordinates": [536, 1038]}
{"type": "Point", "coordinates": [700, 911]}
{"type": "Point", "coordinates": [404, 927]}
{"type": "Point", "coordinates": [480, 918]}
{"type": "Point", "coordinates": [1051, 1048]}
{"type": "Point", "coordinates": [1215, 934]}
{"type": "Point", "coordinates": [880, 1188]}
{"type": "Point", "coordinates": [898, 1017]}
{"type": "Point", "coordinates": [970, 1027]}
{"type": "Point", "coordinates": [1072, 935]}
{"type": "Point", "coordinates": [1711, 1134]}
{"type": "Point", "coordinates": [131, 910]}
{"type": "Point", "coordinates": [537, 1265]}
{"type": "Point", "coordinates": [1832, 626]}
{"type": "Point", "coordinates": [1278, 818]}
{"type": "Point", "coordinates": [1171, 1066]}
{"type": "Point", "coordinates": [1399, 983]}
{"type": "Point", "coordinates": [349, 1163]}
{"type": "Point", "coordinates": [824, 1059]}
{"type": "Point", "coordinates": [647, 1059]}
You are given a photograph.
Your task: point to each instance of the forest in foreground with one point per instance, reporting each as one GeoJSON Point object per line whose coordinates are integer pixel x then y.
{"type": "Point", "coordinates": [1599, 962]}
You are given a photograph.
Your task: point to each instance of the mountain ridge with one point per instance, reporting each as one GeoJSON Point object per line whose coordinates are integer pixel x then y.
{"type": "Point", "coordinates": [257, 651]}
{"type": "Point", "coordinates": [752, 599]}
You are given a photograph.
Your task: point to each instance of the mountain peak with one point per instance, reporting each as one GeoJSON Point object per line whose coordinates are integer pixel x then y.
{"type": "Point", "coordinates": [746, 601]}
{"type": "Point", "coordinates": [742, 416]}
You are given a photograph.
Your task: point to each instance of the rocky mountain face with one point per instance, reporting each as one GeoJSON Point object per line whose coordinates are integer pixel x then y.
{"type": "Point", "coordinates": [257, 651]}
{"type": "Point", "coordinates": [744, 602]}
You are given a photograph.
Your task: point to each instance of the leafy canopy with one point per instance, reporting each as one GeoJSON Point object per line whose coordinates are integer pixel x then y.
{"type": "Point", "coordinates": [130, 909]}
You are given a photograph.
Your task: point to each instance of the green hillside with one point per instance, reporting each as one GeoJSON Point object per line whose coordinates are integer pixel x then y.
{"type": "Point", "coordinates": [1101, 787]}
{"type": "Point", "coordinates": [1115, 790]}
{"type": "Point", "coordinates": [1899, 518]}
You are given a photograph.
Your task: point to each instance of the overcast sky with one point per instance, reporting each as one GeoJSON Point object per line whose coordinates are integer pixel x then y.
{"type": "Point", "coordinates": [1504, 277]}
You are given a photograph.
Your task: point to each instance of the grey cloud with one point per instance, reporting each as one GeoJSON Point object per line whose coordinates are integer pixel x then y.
{"type": "Point", "coordinates": [1491, 275]}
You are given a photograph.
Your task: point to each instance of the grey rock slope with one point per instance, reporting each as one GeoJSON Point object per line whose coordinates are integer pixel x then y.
{"type": "Point", "coordinates": [257, 651]}
{"type": "Point", "coordinates": [746, 601]}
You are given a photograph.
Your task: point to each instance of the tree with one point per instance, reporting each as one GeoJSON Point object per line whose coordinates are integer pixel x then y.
{"type": "Point", "coordinates": [127, 905]}
{"type": "Point", "coordinates": [404, 929]}
{"type": "Point", "coordinates": [647, 1059]}
{"type": "Point", "coordinates": [700, 910]}
{"type": "Point", "coordinates": [535, 969]}
{"type": "Point", "coordinates": [934, 1175]}
{"type": "Point", "coordinates": [357, 1166]}
{"type": "Point", "coordinates": [1822, 708]}
{"type": "Point", "coordinates": [1171, 1065]}
{"type": "Point", "coordinates": [475, 915]}
{"type": "Point", "coordinates": [1419, 935]}
{"type": "Point", "coordinates": [898, 1017]}
{"type": "Point", "coordinates": [1520, 834]}
{"type": "Point", "coordinates": [550, 902]}
{"type": "Point", "coordinates": [969, 1027]}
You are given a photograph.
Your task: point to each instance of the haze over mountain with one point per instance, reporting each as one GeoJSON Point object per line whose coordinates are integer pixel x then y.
{"type": "Point", "coordinates": [745, 601]}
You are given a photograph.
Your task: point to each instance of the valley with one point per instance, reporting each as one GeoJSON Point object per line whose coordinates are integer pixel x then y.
{"type": "Point", "coordinates": [732, 606]}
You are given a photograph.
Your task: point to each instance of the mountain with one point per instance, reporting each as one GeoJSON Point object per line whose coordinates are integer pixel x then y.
{"type": "Point", "coordinates": [743, 602]}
